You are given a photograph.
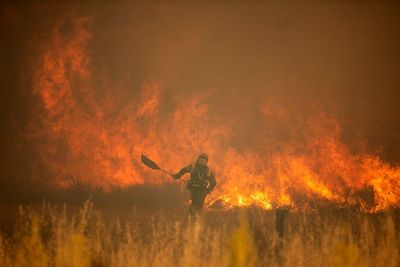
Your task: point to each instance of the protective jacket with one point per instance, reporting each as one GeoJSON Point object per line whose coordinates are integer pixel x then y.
{"type": "Point", "coordinates": [201, 177]}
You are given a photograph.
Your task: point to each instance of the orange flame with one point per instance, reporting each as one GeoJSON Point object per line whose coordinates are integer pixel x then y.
{"type": "Point", "coordinates": [90, 132]}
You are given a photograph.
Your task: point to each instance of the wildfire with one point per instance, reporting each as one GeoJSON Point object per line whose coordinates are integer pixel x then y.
{"type": "Point", "coordinates": [87, 130]}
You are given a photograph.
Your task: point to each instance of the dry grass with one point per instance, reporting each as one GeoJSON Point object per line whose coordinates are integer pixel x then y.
{"type": "Point", "coordinates": [56, 236]}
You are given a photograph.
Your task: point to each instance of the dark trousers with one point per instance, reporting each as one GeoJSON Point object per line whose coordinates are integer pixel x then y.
{"type": "Point", "coordinates": [197, 197]}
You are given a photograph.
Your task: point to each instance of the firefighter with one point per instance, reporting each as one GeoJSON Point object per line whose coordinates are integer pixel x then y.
{"type": "Point", "coordinates": [201, 182]}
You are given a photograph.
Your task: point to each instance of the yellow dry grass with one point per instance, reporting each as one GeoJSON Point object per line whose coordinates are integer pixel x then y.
{"type": "Point", "coordinates": [55, 236]}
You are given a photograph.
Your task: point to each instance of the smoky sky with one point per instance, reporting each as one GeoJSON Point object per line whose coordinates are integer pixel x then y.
{"type": "Point", "coordinates": [342, 57]}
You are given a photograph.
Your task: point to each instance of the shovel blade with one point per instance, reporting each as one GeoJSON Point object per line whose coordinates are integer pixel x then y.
{"type": "Point", "coordinates": [149, 163]}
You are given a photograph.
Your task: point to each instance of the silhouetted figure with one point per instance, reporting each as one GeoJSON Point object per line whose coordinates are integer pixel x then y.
{"type": "Point", "coordinates": [201, 182]}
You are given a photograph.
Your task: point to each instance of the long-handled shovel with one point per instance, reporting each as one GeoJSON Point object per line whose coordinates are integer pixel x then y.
{"type": "Point", "coordinates": [152, 165]}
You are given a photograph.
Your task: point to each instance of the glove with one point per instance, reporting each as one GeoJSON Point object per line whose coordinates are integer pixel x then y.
{"type": "Point", "coordinates": [176, 176]}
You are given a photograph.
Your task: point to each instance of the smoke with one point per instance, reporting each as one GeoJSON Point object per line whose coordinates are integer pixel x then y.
{"type": "Point", "coordinates": [274, 92]}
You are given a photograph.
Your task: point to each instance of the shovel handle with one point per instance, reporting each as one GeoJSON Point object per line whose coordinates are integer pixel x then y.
{"type": "Point", "coordinates": [164, 171]}
{"type": "Point", "coordinates": [170, 174]}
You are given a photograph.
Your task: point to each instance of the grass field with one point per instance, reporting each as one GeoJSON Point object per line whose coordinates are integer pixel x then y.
{"type": "Point", "coordinates": [57, 235]}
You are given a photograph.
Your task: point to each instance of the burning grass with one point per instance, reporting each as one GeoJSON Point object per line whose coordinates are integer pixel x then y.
{"type": "Point", "coordinates": [53, 235]}
{"type": "Point", "coordinates": [269, 151]}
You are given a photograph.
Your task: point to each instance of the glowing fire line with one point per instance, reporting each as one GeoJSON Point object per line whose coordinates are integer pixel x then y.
{"type": "Point", "coordinates": [81, 133]}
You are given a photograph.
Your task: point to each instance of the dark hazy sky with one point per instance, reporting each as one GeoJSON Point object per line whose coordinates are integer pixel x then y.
{"type": "Point", "coordinates": [343, 56]}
